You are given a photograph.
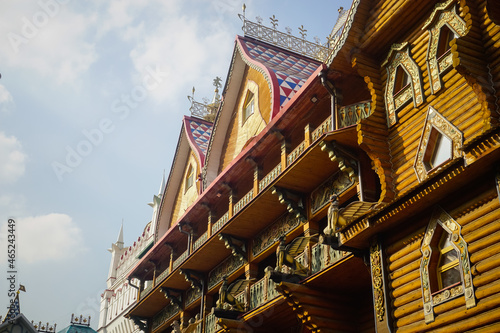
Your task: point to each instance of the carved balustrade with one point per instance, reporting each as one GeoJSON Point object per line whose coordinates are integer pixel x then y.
{"type": "Point", "coordinates": [147, 289]}
{"type": "Point", "coordinates": [323, 256]}
{"type": "Point", "coordinates": [295, 153]}
{"type": "Point", "coordinates": [262, 291]}
{"type": "Point", "coordinates": [211, 325]}
{"type": "Point", "coordinates": [163, 316]}
{"type": "Point", "coordinates": [200, 241]}
{"type": "Point", "coordinates": [162, 275]}
{"type": "Point", "coordinates": [180, 260]}
{"type": "Point", "coordinates": [243, 202]}
{"type": "Point", "coordinates": [220, 222]}
{"type": "Point", "coordinates": [326, 126]}
{"type": "Point", "coordinates": [351, 114]}
{"type": "Point", "coordinates": [270, 177]}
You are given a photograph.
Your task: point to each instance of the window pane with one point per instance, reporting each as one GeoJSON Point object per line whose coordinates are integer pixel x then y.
{"type": "Point", "coordinates": [450, 277]}
{"type": "Point", "coordinates": [449, 257]}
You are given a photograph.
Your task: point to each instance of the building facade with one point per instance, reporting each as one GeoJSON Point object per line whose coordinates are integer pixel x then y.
{"type": "Point", "coordinates": [346, 187]}
{"type": "Point", "coordinates": [121, 293]}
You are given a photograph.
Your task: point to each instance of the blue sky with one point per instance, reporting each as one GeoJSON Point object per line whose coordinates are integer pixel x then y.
{"type": "Point", "coordinates": [92, 95]}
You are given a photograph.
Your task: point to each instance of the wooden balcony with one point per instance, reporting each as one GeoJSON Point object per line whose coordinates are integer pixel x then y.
{"type": "Point", "coordinates": [294, 172]}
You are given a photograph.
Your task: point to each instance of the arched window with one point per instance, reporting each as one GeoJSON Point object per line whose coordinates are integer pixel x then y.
{"type": "Point", "coordinates": [443, 26]}
{"type": "Point", "coordinates": [445, 267]}
{"type": "Point", "coordinates": [403, 83]}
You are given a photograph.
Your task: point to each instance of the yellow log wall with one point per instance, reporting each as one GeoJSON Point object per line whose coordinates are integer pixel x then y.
{"type": "Point", "coordinates": [480, 221]}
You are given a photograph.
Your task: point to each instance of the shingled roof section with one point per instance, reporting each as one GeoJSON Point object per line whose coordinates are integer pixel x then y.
{"type": "Point", "coordinates": [287, 72]}
{"type": "Point", "coordinates": [198, 133]}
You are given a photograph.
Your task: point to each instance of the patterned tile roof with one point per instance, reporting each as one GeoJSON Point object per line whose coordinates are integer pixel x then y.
{"type": "Point", "coordinates": [198, 132]}
{"type": "Point", "coordinates": [290, 70]}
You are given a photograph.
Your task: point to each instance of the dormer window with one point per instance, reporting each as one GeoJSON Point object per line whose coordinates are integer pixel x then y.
{"type": "Point", "coordinates": [443, 26]}
{"type": "Point", "coordinates": [403, 81]}
{"type": "Point", "coordinates": [248, 107]}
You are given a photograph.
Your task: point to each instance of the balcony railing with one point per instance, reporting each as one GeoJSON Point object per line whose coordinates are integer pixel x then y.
{"type": "Point", "coordinates": [220, 222]}
{"type": "Point", "coordinates": [199, 242]}
{"type": "Point", "coordinates": [323, 256]}
{"type": "Point", "coordinates": [262, 291]}
{"type": "Point", "coordinates": [270, 177]}
{"type": "Point", "coordinates": [180, 260]}
{"type": "Point", "coordinates": [295, 153]}
{"type": "Point", "coordinates": [347, 116]}
{"type": "Point", "coordinates": [211, 325]}
{"type": "Point", "coordinates": [326, 126]}
{"type": "Point", "coordinates": [163, 316]}
{"type": "Point", "coordinates": [147, 289]}
{"type": "Point", "coordinates": [351, 114]}
{"type": "Point", "coordinates": [243, 202]}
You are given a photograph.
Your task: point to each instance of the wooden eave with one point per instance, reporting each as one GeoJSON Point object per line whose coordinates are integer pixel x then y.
{"type": "Point", "coordinates": [386, 26]}
{"type": "Point", "coordinates": [480, 159]}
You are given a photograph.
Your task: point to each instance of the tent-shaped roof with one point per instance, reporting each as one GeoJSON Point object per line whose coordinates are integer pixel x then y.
{"type": "Point", "coordinates": [198, 133]}
{"type": "Point", "coordinates": [285, 71]}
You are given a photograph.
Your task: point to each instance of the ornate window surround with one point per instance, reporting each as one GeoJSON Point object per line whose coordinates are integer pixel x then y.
{"type": "Point", "coordinates": [430, 298]}
{"type": "Point", "coordinates": [436, 122]}
{"type": "Point", "coordinates": [399, 56]}
{"type": "Point", "coordinates": [444, 14]}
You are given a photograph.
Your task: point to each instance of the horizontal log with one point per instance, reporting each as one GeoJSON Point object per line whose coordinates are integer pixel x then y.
{"type": "Point", "coordinates": [408, 309]}
{"type": "Point", "coordinates": [410, 286]}
{"type": "Point", "coordinates": [407, 298]}
{"type": "Point", "coordinates": [473, 220]}
{"type": "Point", "coordinates": [491, 236]}
{"type": "Point", "coordinates": [410, 257]}
{"type": "Point", "coordinates": [395, 253]}
{"type": "Point", "coordinates": [415, 274]}
{"type": "Point", "coordinates": [486, 277]}
{"type": "Point", "coordinates": [486, 265]}
{"type": "Point", "coordinates": [472, 323]}
{"type": "Point", "coordinates": [485, 253]}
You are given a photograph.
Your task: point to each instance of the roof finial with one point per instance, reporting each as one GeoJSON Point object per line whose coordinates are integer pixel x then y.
{"type": "Point", "coordinates": [119, 241]}
{"type": "Point", "coordinates": [162, 185]}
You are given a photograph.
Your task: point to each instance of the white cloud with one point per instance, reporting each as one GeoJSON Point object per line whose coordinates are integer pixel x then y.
{"type": "Point", "coordinates": [6, 100]}
{"type": "Point", "coordinates": [49, 39]}
{"type": "Point", "coordinates": [52, 237]}
{"type": "Point", "coordinates": [13, 159]}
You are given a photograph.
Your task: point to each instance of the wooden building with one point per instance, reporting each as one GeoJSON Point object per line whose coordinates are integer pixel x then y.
{"type": "Point", "coordinates": [352, 187]}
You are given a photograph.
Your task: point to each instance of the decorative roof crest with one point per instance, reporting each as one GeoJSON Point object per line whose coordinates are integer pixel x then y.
{"type": "Point", "coordinates": [286, 40]}
{"type": "Point", "coordinates": [207, 109]}
{"type": "Point", "coordinates": [44, 328]}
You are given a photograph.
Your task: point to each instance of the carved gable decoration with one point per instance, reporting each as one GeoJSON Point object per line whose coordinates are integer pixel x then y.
{"type": "Point", "coordinates": [443, 25]}
{"type": "Point", "coordinates": [403, 81]}
{"type": "Point", "coordinates": [440, 143]}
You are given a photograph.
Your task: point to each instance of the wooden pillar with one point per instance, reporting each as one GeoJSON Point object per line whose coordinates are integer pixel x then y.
{"type": "Point", "coordinates": [284, 153]}
{"type": "Point", "coordinates": [232, 201]}
{"type": "Point", "coordinates": [211, 221]}
{"type": "Point", "coordinates": [256, 179]}
{"type": "Point", "coordinates": [381, 301]}
{"type": "Point", "coordinates": [307, 135]}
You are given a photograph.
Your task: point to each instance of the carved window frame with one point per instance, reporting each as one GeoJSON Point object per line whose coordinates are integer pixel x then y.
{"type": "Point", "coordinates": [443, 15]}
{"type": "Point", "coordinates": [436, 122]}
{"type": "Point", "coordinates": [250, 95]}
{"type": "Point", "coordinates": [399, 57]}
{"type": "Point", "coordinates": [465, 288]}
{"type": "Point", "coordinates": [189, 179]}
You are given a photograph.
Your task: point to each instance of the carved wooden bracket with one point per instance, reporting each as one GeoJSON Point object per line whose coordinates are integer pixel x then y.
{"type": "Point", "coordinates": [338, 154]}
{"type": "Point", "coordinates": [193, 277]}
{"type": "Point", "coordinates": [176, 300]}
{"type": "Point", "coordinates": [293, 201]}
{"type": "Point", "coordinates": [236, 245]}
{"type": "Point", "coordinates": [141, 322]}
